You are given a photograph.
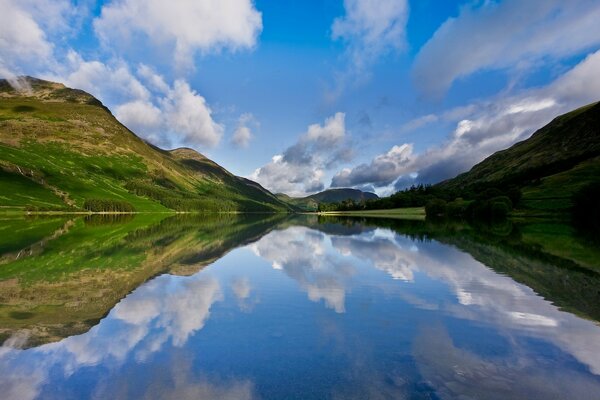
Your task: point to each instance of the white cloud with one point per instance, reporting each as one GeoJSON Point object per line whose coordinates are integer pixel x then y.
{"type": "Point", "coordinates": [300, 169]}
{"type": "Point", "coordinates": [511, 34]}
{"type": "Point", "coordinates": [381, 171]}
{"type": "Point", "coordinates": [139, 116]}
{"type": "Point", "coordinates": [142, 99]}
{"type": "Point", "coordinates": [241, 136]}
{"type": "Point", "coordinates": [243, 133]}
{"type": "Point", "coordinates": [158, 112]}
{"type": "Point", "coordinates": [153, 79]}
{"type": "Point", "coordinates": [481, 129]}
{"type": "Point", "coordinates": [370, 28]}
{"type": "Point", "coordinates": [331, 132]}
{"type": "Point", "coordinates": [22, 39]}
{"type": "Point", "coordinates": [185, 26]}
{"type": "Point", "coordinates": [188, 114]}
{"type": "Point", "coordinates": [112, 84]}
{"type": "Point", "coordinates": [498, 123]}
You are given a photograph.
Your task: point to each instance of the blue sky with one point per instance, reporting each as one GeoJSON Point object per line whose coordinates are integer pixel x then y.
{"type": "Point", "coordinates": [304, 95]}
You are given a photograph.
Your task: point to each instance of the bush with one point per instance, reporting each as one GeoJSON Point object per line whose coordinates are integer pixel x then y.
{"type": "Point", "coordinates": [496, 208]}
{"type": "Point", "coordinates": [435, 208]}
{"type": "Point", "coordinates": [503, 199]}
{"type": "Point", "coordinates": [515, 195]}
{"type": "Point", "coordinates": [586, 209]}
{"type": "Point", "coordinates": [457, 208]}
{"type": "Point", "coordinates": [489, 193]}
{"type": "Point", "coordinates": [107, 205]}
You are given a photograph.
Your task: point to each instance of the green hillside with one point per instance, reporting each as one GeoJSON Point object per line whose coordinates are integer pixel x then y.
{"type": "Point", "coordinates": [310, 203]}
{"type": "Point", "coordinates": [554, 173]}
{"type": "Point", "coordinates": [61, 149]}
{"type": "Point", "coordinates": [549, 167]}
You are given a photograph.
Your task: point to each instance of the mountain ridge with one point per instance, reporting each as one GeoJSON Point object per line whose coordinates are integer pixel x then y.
{"type": "Point", "coordinates": [549, 167]}
{"type": "Point", "coordinates": [311, 202]}
{"type": "Point", "coordinates": [60, 147]}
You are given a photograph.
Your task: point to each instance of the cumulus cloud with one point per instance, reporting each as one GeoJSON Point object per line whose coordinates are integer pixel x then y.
{"type": "Point", "coordinates": [187, 113]}
{"type": "Point", "coordinates": [141, 98]}
{"type": "Point", "coordinates": [139, 116]}
{"type": "Point", "coordinates": [113, 83]}
{"type": "Point", "coordinates": [371, 28]}
{"type": "Point", "coordinates": [243, 132]}
{"type": "Point", "coordinates": [184, 27]}
{"type": "Point", "coordinates": [381, 171]}
{"type": "Point", "coordinates": [301, 167]}
{"type": "Point", "coordinates": [502, 35]}
{"type": "Point", "coordinates": [23, 38]}
{"type": "Point", "coordinates": [481, 129]}
{"type": "Point", "coordinates": [144, 102]}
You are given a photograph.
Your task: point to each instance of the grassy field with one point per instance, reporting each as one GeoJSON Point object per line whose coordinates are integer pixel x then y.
{"type": "Point", "coordinates": [414, 213]}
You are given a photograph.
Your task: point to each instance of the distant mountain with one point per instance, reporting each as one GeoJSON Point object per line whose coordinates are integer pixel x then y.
{"type": "Point", "coordinates": [310, 203]}
{"type": "Point", "coordinates": [549, 167]}
{"type": "Point", "coordinates": [60, 148]}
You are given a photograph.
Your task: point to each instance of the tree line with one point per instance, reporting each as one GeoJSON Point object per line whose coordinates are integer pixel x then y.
{"type": "Point", "coordinates": [107, 205]}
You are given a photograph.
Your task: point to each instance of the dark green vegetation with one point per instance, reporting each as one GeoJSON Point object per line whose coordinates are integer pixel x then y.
{"type": "Point", "coordinates": [59, 276]}
{"type": "Point", "coordinates": [62, 150]}
{"type": "Point", "coordinates": [545, 175]}
{"type": "Point", "coordinates": [313, 202]}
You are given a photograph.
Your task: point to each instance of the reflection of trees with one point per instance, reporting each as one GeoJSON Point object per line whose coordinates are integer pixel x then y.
{"type": "Point", "coordinates": [563, 280]}
{"type": "Point", "coordinates": [483, 295]}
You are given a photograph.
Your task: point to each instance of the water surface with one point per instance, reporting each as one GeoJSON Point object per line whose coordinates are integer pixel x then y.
{"type": "Point", "coordinates": [300, 308]}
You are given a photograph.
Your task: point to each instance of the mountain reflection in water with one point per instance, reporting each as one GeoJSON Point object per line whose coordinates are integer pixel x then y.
{"type": "Point", "coordinates": [301, 307]}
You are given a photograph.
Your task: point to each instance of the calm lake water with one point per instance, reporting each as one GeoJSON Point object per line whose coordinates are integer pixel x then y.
{"type": "Point", "coordinates": [296, 308]}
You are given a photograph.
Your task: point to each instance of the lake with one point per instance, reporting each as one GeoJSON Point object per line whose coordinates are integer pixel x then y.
{"type": "Point", "coordinates": [296, 307]}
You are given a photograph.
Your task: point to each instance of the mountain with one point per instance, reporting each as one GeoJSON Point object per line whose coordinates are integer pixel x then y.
{"type": "Point", "coordinates": [310, 203]}
{"type": "Point", "coordinates": [549, 167]}
{"type": "Point", "coordinates": [60, 149]}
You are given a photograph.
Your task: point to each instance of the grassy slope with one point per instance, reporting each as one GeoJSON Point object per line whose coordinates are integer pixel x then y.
{"type": "Point", "coordinates": [550, 166]}
{"type": "Point", "coordinates": [60, 146]}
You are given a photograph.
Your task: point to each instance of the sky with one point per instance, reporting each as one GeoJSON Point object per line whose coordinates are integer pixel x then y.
{"type": "Point", "coordinates": [304, 95]}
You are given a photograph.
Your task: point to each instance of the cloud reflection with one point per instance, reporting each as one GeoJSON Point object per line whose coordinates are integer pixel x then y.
{"type": "Point", "coordinates": [481, 294]}
{"type": "Point", "coordinates": [167, 308]}
{"type": "Point", "coordinates": [307, 257]}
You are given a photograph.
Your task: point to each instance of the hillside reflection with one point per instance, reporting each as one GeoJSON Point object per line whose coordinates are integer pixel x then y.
{"type": "Point", "coordinates": [359, 308]}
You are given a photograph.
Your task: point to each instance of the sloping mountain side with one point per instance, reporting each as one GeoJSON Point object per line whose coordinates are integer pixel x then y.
{"type": "Point", "coordinates": [61, 149]}
{"type": "Point", "coordinates": [549, 167]}
{"type": "Point", "coordinates": [311, 203]}
{"type": "Point", "coordinates": [554, 173]}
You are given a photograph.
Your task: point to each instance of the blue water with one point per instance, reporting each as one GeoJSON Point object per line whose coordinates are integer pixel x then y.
{"type": "Point", "coordinates": [302, 314]}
